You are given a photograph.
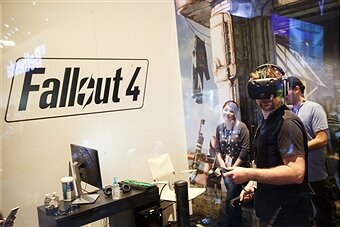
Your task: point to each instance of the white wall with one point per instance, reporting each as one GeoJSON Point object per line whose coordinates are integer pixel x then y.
{"type": "Point", "coordinates": [1, 116]}
{"type": "Point", "coordinates": [35, 154]}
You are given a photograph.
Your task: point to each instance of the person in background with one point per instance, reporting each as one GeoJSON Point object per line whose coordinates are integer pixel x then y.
{"type": "Point", "coordinates": [314, 119]}
{"type": "Point", "coordinates": [281, 197]}
{"type": "Point", "coordinates": [232, 137]}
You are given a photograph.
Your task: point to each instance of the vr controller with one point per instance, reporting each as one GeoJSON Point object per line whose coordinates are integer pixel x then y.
{"type": "Point", "coordinates": [218, 171]}
{"type": "Point", "coordinates": [223, 170]}
{"type": "Point", "coordinates": [265, 88]}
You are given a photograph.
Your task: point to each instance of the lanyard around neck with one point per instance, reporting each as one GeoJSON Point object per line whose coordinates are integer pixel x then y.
{"type": "Point", "coordinates": [301, 104]}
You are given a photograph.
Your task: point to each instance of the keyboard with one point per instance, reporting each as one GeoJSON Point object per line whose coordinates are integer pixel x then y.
{"type": "Point", "coordinates": [139, 185]}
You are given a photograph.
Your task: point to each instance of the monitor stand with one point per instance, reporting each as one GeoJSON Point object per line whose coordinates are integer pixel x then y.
{"type": "Point", "coordinates": [86, 199]}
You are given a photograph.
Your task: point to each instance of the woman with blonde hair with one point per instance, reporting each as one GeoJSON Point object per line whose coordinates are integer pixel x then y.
{"type": "Point", "coordinates": [233, 147]}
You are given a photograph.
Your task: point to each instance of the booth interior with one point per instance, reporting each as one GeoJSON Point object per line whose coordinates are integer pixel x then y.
{"type": "Point", "coordinates": [132, 202]}
{"type": "Point", "coordinates": [101, 103]}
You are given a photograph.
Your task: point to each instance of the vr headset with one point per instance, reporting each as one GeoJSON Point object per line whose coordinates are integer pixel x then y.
{"type": "Point", "coordinates": [264, 87]}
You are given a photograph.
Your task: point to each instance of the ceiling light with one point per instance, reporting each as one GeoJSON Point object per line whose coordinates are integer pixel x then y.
{"type": "Point", "coordinates": [8, 43]}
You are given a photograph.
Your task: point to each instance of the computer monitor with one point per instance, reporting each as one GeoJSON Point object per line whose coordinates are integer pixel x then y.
{"type": "Point", "coordinates": [85, 167]}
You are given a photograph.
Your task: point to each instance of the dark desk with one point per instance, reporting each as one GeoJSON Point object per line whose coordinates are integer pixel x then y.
{"type": "Point", "coordinates": [121, 212]}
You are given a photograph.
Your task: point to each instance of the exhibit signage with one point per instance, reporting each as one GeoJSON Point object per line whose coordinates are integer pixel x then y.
{"type": "Point", "coordinates": [60, 87]}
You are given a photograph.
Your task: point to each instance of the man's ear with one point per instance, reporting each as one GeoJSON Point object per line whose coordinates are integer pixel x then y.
{"type": "Point", "coordinates": [296, 88]}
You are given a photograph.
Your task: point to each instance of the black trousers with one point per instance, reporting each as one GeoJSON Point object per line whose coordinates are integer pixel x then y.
{"type": "Point", "coordinates": [301, 223]}
{"type": "Point", "coordinates": [324, 203]}
{"type": "Point", "coordinates": [233, 213]}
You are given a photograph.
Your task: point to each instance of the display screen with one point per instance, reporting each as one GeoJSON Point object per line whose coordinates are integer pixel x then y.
{"type": "Point", "coordinates": [88, 164]}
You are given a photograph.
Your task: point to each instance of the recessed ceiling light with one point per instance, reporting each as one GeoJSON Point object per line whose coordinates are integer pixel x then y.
{"type": "Point", "coordinates": [8, 43]}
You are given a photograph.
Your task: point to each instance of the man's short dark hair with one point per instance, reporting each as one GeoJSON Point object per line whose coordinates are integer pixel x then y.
{"type": "Point", "coordinates": [293, 81]}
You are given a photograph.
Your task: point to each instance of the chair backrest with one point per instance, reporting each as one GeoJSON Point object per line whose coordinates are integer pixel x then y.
{"type": "Point", "coordinates": [162, 169]}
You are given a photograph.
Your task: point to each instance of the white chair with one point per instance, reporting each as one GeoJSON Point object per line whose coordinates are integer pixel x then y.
{"type": "Point", "coordinates": [163, 172]}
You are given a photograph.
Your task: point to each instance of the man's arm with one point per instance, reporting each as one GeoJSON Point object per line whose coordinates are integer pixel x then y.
{"type": "Point", "coordinates": [291, 172]}
{"type": "Point", "coordinates": [320, 140]}
{"type": "Point", "coordinates": [319, 125]}
{"type": "Point", "coordinates": [245, 145]}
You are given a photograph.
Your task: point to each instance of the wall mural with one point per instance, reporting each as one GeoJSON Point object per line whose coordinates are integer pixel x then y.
{"type": "Point", "coordinates": [208, 70]}
{"type": "Point", "coordinates": [207, 82]}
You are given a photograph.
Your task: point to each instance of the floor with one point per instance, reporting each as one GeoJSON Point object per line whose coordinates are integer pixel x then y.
{"type": "Point", "coordinates": [209, 210]}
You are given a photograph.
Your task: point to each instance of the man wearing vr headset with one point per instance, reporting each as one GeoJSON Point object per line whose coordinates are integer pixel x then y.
{"type": "Point", "coordinates": [281, 197]}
